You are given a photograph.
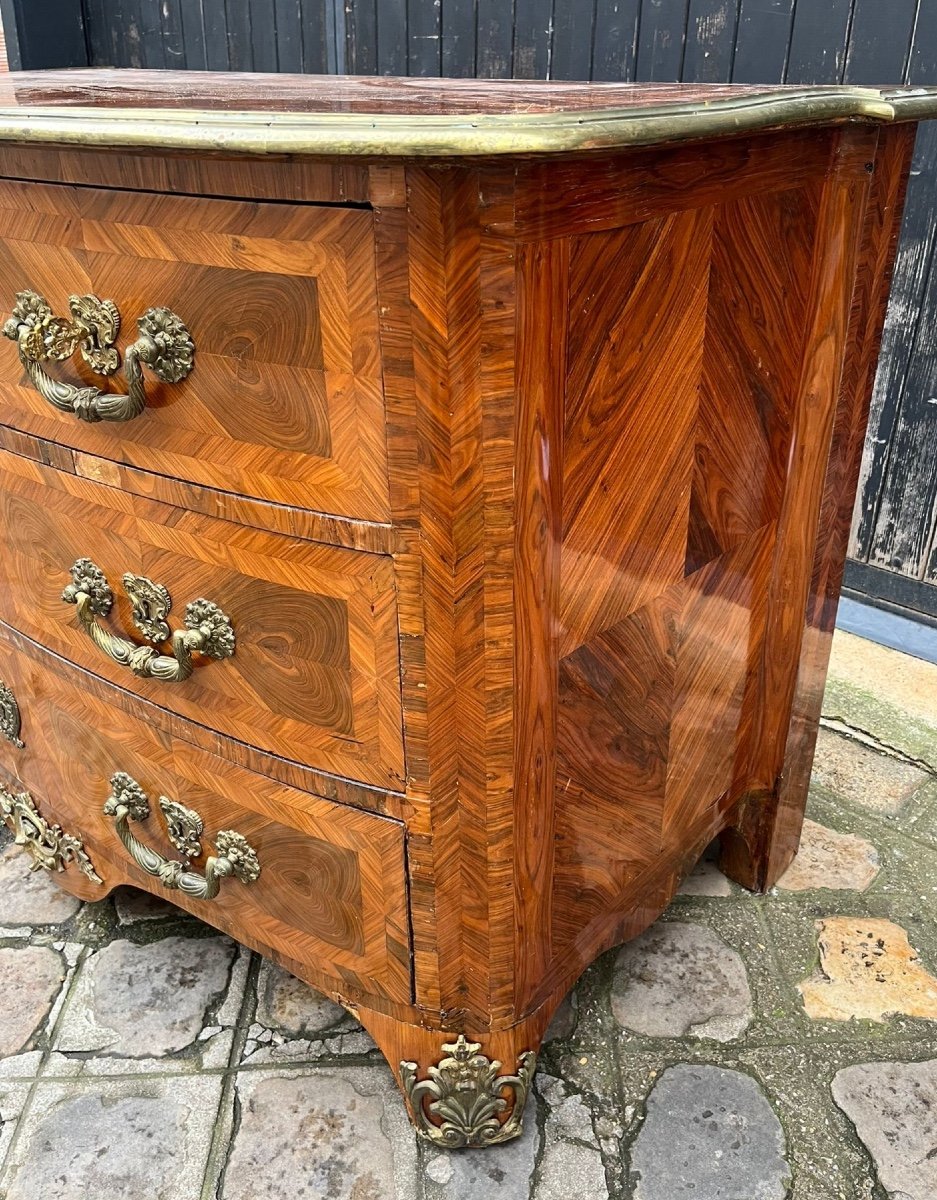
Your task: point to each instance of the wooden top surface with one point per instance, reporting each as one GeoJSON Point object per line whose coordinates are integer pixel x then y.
{"type": "Point", "coordinates": [308, 114]}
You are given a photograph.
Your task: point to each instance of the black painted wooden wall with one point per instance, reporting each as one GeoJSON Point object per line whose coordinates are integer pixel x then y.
{"type": "Point", "coordinates": [894, 545]}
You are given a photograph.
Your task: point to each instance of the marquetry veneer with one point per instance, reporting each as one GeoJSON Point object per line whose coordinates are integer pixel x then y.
{"type": "Point", "coordinates": [516, 457]}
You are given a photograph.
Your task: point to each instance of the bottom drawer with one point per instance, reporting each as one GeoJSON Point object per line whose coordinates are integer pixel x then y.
{"type": "Point", "coordinates": [330, 892]}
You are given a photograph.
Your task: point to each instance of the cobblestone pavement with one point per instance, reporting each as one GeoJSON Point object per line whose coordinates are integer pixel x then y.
{"type": "Point", "coordinates": [781, 1047]}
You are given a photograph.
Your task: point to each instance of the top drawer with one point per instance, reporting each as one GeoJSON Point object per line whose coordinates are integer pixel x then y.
{"type": "Point", "coordinates": [284, 401]}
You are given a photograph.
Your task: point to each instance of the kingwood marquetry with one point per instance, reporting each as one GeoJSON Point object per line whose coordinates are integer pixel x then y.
{"type": "Point", "coordinates": [524, 479]}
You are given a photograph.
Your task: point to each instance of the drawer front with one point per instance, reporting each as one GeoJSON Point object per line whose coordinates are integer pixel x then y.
{"type": "Point", "coordinates": [284, 401]}
{"type": "Point", "coordinates": [331, 890]}
{"type": "Point", "coordinates": [314, 676]}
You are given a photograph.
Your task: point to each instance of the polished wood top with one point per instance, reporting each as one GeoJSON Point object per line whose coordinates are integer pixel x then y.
{"type": "Point", "coordinates": [306, 114]}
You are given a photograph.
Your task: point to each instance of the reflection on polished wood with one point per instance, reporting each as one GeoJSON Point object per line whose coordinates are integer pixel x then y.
{"type": "Point", "coordinates": [525, 483]}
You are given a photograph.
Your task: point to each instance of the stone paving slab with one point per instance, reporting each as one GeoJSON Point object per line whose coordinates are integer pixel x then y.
{"type": "Point", "coordinates": [860, 775]}
{"type": "Point", "coordinates": [167, 1005]}
{"type": "Point", "coordinates": [341, 1134]}
{"type": "Point", "coordinates": [30, 897]}
{"type": "Point", "coordinates": [13, 1097]}
{"type": "Point", "coordinates": [128, 1139]}
{"type": "Point", "coordinates": [893, 1106]}
{"type": "Point", "coordinates": [30, 980]}
{"type": "Point", "coordinates": [681, 978]}
{"type": "Point", "coordinates": [709, 1133]}
{"type": "Point", "coordinates": [885, 694]}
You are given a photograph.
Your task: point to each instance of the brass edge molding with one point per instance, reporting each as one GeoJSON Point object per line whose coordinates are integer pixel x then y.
{"type": "Point", "coordinates": [434, 135]}
{"type": "Point", "coordinates": [460, 1103]}
{"type": "Point", "coordinates": [48, 845]}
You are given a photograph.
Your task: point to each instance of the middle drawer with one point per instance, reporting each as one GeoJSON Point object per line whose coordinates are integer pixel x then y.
{"type": "Point", "coordinates": [314, 674]}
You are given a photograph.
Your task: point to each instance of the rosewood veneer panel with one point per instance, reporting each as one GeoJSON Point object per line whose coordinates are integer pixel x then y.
{"type": "Point", "coordinates": [331, 892]}
{"type": "Point", "coordinates": [285, 400]}
{"type": "Point", "coordinates": [314, 677]}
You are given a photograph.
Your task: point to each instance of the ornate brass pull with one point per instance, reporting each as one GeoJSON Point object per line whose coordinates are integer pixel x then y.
{"type": "Point", "coordinates": [234, 854]}
{"type": "Point", "coordinates": [164, 346]}
{"type": "Point", "coordinates": [49, 847]}
{"type": "Point", "coordinates": [207, 631]}
{"type": "Point", "coordinates": [10, 721]}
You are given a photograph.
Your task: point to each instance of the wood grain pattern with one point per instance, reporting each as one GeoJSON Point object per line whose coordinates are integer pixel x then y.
{"type": "Point", "coordinates": [315, 675]}
{"type": "Point", "coordinates": [312, 181]}
{"type": "Point", "coordinates": [761, 845]}
{"type": "Point", "coordinates": [331, 890]}
{"type": "Point", "coordinates": [840, 227]}
{"type": "Point", "coordinates": [285, 401]}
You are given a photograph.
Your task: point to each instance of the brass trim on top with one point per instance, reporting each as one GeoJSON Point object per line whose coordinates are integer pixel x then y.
{"type": "Point", "coordinates": [462, 134]}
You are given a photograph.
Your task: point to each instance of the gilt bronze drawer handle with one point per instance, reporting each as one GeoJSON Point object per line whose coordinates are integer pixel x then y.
{"type": "Point", "coordinates": [164, 346]}
{"type": "Point", "coordinates": [10, 721]}
{"type": "Point", "coordinates": [234, 855]}
{"type": "Point", "coordinates": [49, 847]}
{"type": "Point", "coordinates": [208, 630]}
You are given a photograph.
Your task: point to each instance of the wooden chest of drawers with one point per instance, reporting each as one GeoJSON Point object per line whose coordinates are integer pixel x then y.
{"type": "Point", "coordinates": [423, 507]}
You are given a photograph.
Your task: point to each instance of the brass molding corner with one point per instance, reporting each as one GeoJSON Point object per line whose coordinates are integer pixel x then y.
{"type": "Point", "coordinates": [461, 1101]}
{"type": "Point", "coordinates": [48, 845]}
{"type": "Point", "coordinates": [10, 720]}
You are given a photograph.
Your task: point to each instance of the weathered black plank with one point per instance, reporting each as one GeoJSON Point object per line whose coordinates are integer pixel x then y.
{"type": "Point", "coordinates": [615, 38]}
{"type": "Point", "coordinates": [818, 42]}
{"type": "Point", "coordinates": [922, 68]}
{"type": "Point", "coordinates": [174, 52]}
{"type": "Point", "coordinates": [287, 32]}
{"type": "Point", "coordinates": [892, 592]}
{"type": "Point", "coordinates": [710, 41]}
{"type": "Point", "coordinates": [97, 20]}
{"type": "Point", "coordinates": [392, 37]}
{"type": "Point", "coordinates": [189, 50]}
{"type": "Point", "coordinates": [151, 35]}
{"type": "Point", "coordinates": [457, 39]}
{"type": "Point", "coordinates": [495, 24]}
{"type": "Point", "coordinates": [660, 40]}
{"type": "Point", "coordinates": [762, 41]}
{"type": "Point", "coordinates": [423, 38]}
{"type": "Point", "coordinates": [130, 33]}
{"type": "Point", "coordinates": [532, 29]}
{"type": "Point", "coordinates": [912, 268]}
{"type": "Point", "coordinates": [880, 41]}
{"type": "Point", "coordinates": [263, 34]}
{"type": "Point", "coordinates": [906, 510]}
{"type": "Point", "coordinates": [313, 39]}
{"type": "Point", "coordinates": [47, 34]}
{"type": "Point", "coordinates": [361, 37]}
{"type": "Point", "coordinates": [215, 24]}
{"type": "Point", "coordinates": [240, 37]}
{"type": "Point", "coordinates": [573, 22]}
